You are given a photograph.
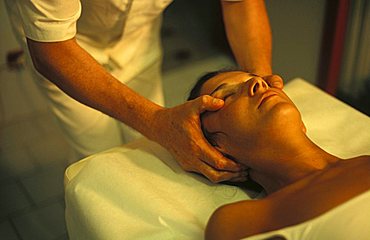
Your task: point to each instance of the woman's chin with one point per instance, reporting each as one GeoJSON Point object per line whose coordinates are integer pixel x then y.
{"type": "Point", "coordinates": [283, 113]}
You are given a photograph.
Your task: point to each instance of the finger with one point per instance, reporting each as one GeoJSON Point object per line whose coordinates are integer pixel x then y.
{"type": "Point", "coordinates": [208, 103]}
{"type": "Point", "coordinates": [239, 179]}
{"type": "Point", "coordinates": [216, 176]}
{"type": "Point", "coordinates": [244, 176]}
{"type": "Point", "coordinates": [274, 81]}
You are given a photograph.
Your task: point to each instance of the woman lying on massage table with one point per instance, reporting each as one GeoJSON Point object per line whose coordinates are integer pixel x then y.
{"type": "Point", "coordinates": [260, 128]}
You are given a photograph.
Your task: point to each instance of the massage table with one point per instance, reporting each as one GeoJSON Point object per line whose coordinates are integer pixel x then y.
{"type": "Point", "coordinates": [137, 191]}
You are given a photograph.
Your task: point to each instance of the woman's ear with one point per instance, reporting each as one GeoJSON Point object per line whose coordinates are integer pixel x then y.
{"type": "Point", "coordinates": [216, 139]}
{"type": "Point", "coordinates": [217, 142]}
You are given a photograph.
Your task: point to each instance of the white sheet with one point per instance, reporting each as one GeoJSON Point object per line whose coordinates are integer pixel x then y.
{"type": "Point", "coordinates": [138, 191]}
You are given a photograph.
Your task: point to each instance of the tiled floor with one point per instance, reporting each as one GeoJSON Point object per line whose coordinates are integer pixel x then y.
{"type": "Point", "coordinates": [33, 158]}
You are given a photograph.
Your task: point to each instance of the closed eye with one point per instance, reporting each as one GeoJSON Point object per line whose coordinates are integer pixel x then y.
{"type": "Point", "coordinates": [224, 95]}
{"type": "Point", "coordinates": [225, 91]}
{"type": "Point", "coordinates": [228, 95]}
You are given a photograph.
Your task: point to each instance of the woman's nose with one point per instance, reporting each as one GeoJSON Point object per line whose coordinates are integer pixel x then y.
{"type": "Point", "coordinates": [257, 85]}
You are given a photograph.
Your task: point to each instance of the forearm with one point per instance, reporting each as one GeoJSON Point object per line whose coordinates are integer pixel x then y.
{"type": "Point", "coordinates": [75, 72]}
{"type": "Point", "coordinates": [249, 34]}
{"type": "Point", "coordinates": [177, 129]}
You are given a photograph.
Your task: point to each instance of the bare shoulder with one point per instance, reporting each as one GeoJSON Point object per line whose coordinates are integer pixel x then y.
{"type": "Point", "coordinates": [321, 192]}
{"type": "Point", "coordinates": [359, 165]}
{"type": "Point", "coordinates": [296, 203]}
{"type": "Point", "coordinates": [239, 219]}
{"type": "Point", "coordinates": [363, 159]}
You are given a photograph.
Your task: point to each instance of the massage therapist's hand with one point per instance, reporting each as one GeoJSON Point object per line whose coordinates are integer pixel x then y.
{"type": "Point", "coordinates": [178, 129]}
{"type": "Point", "coordinates": [274, 81]}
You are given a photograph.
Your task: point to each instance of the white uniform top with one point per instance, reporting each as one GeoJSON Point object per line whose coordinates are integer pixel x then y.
{"type": "Point", "coordinates": [122, 35]}
{"type": "Point", "coordinates": [118, 31]}
{"type": "Point", "coordinates": [350, 220]}
{"type": "Point", "coordinates": [123, 32]}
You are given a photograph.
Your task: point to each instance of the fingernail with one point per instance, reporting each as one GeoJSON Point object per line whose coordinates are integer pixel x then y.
{"type": "Point", "coordinates": [277, 84]}
{"type": "Point", "coordinates": [217, 101]}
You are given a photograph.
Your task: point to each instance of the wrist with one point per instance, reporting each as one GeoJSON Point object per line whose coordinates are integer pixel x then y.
{"type": "Point", "coordinates": [260, 71]}
{"type": "Point", "coordinates": [154, 124]}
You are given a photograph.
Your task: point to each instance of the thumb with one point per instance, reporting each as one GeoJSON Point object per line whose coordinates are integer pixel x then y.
{"type": "Point", "coordinates": [274, 81]}
{"type": "Point", "coordinates": [208, 103]}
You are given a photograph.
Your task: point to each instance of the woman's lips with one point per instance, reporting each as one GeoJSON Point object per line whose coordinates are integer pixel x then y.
{"type": "Point", "coordinates": [266, 96]}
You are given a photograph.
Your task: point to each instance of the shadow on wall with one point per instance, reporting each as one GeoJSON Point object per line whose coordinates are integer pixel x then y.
{"type": "Point", "coordinates": [360, 102]}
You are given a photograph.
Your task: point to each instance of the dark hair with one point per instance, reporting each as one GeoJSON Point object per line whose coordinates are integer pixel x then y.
{"type": "Point", "coordinates": [195, 91]}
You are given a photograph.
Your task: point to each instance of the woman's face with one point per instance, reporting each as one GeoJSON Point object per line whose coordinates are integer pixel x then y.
{"type": "Point", "coordinates": [253, 117]}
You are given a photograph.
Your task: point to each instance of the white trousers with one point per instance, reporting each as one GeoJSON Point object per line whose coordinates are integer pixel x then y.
{"type": "Point", "coordinates": [89, 131]}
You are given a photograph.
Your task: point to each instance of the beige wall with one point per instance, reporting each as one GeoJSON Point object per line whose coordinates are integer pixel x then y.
{"type": "Point", "coordinates": [297, 28]}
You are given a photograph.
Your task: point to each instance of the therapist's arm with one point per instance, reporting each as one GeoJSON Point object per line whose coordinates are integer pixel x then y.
{"type": "Point", "coordinates": [76, 73]}
{"type": "Point", "coordinates": [249, 34]}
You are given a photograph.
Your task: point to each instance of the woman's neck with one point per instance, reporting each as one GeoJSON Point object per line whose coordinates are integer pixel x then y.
{"type": "Point", "coordinates": [292, 162]}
